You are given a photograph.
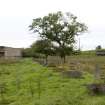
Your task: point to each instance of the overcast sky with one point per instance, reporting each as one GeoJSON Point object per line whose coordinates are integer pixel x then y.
{"type": "Point", "coordinates": [17, 15]}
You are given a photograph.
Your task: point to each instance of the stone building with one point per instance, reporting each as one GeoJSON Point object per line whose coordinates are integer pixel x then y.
{"type": "Point", "coordinates": [9, 52]}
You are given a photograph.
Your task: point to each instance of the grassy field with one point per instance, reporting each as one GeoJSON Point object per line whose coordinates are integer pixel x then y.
{"type": "Point", "coordinates": [26, 82]}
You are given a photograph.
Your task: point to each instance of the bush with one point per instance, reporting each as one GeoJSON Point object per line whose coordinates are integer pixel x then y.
{"type": "Point", "coordinates": [96, 88]}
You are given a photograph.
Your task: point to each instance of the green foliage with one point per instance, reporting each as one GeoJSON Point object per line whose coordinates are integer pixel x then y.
{"type": "Point", "coordinates": [27, 52]}
{"type": "Point", "coordinates": [59, 28]}
{"type": "Point", "coordinates": [42, 86]}
{"type": "Point", "coordinates": [30, 52]}
{"type": "Point", "coordinates": [43, 47]}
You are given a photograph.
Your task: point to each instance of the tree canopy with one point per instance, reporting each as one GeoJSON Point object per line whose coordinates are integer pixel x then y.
{"type": "Point", "coordinates": [60, 29]}
{"type": "Point", "coordinates": [43, 47]}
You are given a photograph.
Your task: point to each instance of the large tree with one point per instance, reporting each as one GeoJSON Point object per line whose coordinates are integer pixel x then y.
{"type": "Point", "coordinates": [59, 28]}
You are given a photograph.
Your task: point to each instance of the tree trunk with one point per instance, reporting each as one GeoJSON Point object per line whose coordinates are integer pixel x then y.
{"type": "Point", "coordinates": [46, 59]}
{"type": "Point", "coordinates": [64, 59]}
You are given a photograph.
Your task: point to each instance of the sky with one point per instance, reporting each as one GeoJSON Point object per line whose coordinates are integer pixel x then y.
{"type": "Point", "coordinates": [17, 15]}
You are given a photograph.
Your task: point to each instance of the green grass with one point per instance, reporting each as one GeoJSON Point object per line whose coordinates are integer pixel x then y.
{"type": "Point", "coordinates": [28, 83]}
{"type": "Point", "coordinates": [89, 52]}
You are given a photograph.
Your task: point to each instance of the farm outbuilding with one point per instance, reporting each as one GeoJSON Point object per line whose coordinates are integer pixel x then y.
{"type": "Point", "coordinates": [9, 52]}
{"type": "Point", "coordinates": [100, 52]}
